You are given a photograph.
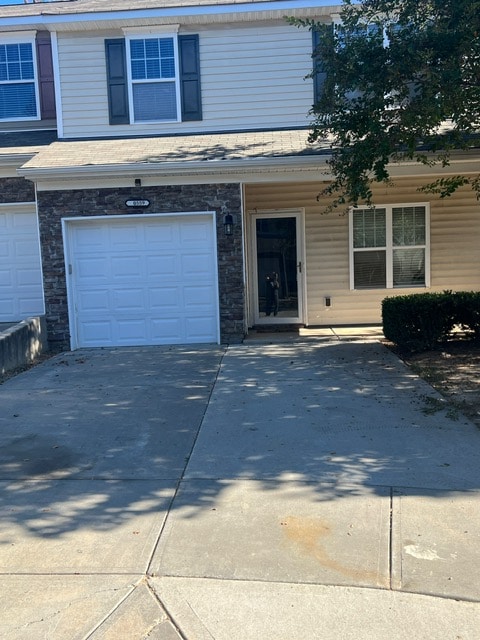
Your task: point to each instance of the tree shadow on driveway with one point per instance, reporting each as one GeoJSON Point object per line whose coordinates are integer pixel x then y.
{"type": "Point", "coordinates": [99, 440]}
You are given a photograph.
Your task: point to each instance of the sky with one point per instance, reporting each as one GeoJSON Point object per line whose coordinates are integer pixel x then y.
{"type": "Point", "coordinates": [4, 2]}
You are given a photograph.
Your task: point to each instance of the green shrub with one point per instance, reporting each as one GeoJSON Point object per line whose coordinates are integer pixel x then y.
{"type": "Point", "coordinates": [421, 321]}
{"type": "Point", "coordinates": [418, 322]}
{"type": "Point", "coordinates": [467, 312]}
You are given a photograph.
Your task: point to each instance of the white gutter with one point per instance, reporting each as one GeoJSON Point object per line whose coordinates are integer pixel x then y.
{"type": "Point", "coordinates": [238, 167]}
{"type": "Point", "coordinates": [203, 167]}
{"type": "Point", "coordinates": [286, 6]}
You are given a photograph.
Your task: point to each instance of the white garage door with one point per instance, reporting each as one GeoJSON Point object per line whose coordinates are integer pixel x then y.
{"type": "Point", "coordinates": [21, 291]}
{"type": "Point", "coordinates": [142, 280]}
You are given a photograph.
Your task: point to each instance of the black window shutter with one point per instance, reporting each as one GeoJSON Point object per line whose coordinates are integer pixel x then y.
{"type": "Point", "coordinates": [319, 76]}
{"type": "Point", "coordinates": [117, 81]}
{"type": "Point", "coordinates": [45, 76]}
{"type": "Point", "coordinates": [190, 90]}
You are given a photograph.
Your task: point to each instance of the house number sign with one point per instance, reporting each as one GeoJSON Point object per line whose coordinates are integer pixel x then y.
{"type": "Point", "coordinates": [137, 203]}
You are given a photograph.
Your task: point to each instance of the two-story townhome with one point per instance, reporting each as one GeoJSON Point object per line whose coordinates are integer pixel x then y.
{"type": "Point", "coordinates": [155, 174]}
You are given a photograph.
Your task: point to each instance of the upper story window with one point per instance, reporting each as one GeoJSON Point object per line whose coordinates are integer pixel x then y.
{"type": "Point", "coordinates": [18, 79]}
{"type": "Point", "coordinates": [389, 247]}
{"type": "Point", "coordinates": [154, 79]}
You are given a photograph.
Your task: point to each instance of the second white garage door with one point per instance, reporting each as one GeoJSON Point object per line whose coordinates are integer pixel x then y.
{"type": "Point", "coordinates": [21, 289]}
{"type": "Point", "coordinates": [142, 280]}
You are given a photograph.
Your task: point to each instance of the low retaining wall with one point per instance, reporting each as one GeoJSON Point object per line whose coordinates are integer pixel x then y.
{"type": "Point", "coordinates": [21, 343]}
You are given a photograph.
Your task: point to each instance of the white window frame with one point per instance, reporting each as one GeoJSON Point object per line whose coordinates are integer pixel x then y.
{"type": "Point", "coordinates": [171, 31]}
{"type": "Point", "coordinates": [24, 37]}
{"type": "Point", "coordinates": [389, 247]}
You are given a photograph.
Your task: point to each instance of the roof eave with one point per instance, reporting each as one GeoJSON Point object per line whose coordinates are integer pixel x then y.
{"type": "Point", "coordinates": [18, 159]}
{"type": "Point", "coordinates": [190, 14]}
{"type": "Point", "coordinates": [237, 169]}
{"type": "Point", "coordinates": [204, 167]}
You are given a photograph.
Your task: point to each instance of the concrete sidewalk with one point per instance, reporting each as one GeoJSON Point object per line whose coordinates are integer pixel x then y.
{"type": "Point", "coordinates": [307, 488]}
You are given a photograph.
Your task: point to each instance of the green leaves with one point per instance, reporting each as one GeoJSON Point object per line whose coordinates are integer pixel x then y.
{"type": "Point", "coordinates": [402, 82]}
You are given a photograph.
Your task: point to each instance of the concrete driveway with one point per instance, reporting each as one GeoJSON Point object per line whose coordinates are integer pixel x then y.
{"type": "Point", "coordinates": [305, 489]}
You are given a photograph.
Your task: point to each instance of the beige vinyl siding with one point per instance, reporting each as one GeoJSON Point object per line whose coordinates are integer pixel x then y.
{"type": "Point", "coordinates": [83, 87]}
{"type": "Point", "coordinates": [252, 77]}
{"type": "Point", "coordinates": [454, 247]}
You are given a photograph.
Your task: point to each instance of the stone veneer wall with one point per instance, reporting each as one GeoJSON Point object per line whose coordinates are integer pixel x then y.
{"type": "Point", "coordinates": [221, 198]}
{"type": "Point", "coordinates": [16, 190]}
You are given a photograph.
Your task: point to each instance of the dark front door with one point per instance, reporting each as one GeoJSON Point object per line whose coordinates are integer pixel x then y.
{"type": "Point", "coordinates": [278, 268]}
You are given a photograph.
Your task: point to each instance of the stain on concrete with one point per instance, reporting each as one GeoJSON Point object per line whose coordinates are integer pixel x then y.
{"type": "Point", "coordinates": [310, 535]}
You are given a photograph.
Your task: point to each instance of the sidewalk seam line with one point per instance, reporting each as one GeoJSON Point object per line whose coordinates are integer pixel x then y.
{"type": "Point", "coordinates": [390, 543]}
{"type": "Point", "coordinates": [90, 633]}
{"type": "Point", "coordinates": [182, 476]}
{"type": "Point", "coordinates": [170, 617]}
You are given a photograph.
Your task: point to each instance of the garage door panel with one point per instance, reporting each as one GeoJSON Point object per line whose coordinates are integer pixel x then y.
{"type": "Point", "coordinates": [26, 304]}
{"type": "Point", "coordinates": [163, 265]}
{"type": "Point", "coordinates": [6, 305]}
{"type": "Point", "coordinates": [167, 331]}
{"type": "Point", "coordinates": [160, 236]}
{"type": "Point", "coordinates": [95, 332]}
{"type": "Point", "coordinates": [153, 281]}
{"type": "Point", "coordinates": [199, 327]}
{"type": "Point", "coordinates": [24, 248]}
{"type": "Point", "coordinates": [125, 237]}
{"type": "Point", "coordinates": [194, 232]}
{"type": "Point", "coordinates": [197, 266]}
{"type": "Point", "coordinates": [126, 267]}
{"type": "Point", "coordinates": [196, 297]}
{"type": "Point", "coordinates": [165, 299]}
{"type": "Point", "coordinates": [131, 330]}
{"type": "Point", "coordinates": [94, 301]}
{"type": "Point", "coordinates": [130, 300]}
{"type": "Point", "coordinates": [27, 277]}
{"type": "Point", "coordinates": [6, 278]}
{"type": "Point", "coordinates": [24, 223]}
{"type": "Point", "coordinates": [92, 267]}
{"type": "Point", "coordinates": [87, 238]}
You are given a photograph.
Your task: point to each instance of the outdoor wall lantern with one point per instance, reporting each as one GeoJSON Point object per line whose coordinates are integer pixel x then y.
{"type": "Point", "coordinates": [228, 224]}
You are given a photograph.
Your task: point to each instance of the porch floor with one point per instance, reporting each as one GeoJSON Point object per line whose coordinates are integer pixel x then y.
{"type": "Point", "coordinates": [371, 332]}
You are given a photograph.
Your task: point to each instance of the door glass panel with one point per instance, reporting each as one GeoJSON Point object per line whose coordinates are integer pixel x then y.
{"type": "Point", "coordinates": [277, 267]}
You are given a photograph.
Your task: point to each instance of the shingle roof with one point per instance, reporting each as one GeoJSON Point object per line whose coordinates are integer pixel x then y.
{"type": "Point", "coordinates": [208, 148]}
{"type": "Point", "coordinates": [66, 7]}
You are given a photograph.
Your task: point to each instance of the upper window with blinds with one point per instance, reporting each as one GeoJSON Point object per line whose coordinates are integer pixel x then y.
{"type": "Point", "coordinates": [153, 79]}
{"type": "Point", "coordinates": [155, 93]}
{"type": "Point", "coordinates": [19, 98]}
{"type": "Point", "coordinates": [389, 247]}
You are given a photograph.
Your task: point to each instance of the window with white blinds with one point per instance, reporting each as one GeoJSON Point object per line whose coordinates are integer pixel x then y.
{"type": "Point", "coordinates": [389, 247]}
{"type": "Point", "coordinates": [154, 79]}
{"type": "Point", "coordinates": [18, 81]}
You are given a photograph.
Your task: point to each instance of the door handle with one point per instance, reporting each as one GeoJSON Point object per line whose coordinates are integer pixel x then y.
{"type": "Point", "coordinates": [299, 267]}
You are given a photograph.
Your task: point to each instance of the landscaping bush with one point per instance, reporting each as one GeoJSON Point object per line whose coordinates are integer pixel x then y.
{"type": "Point", "coordinates": [418, 322]}
{"type": "Point", "coordinates": [421, 321]}
{"type": "Point", "coordinates": [467, 312]}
